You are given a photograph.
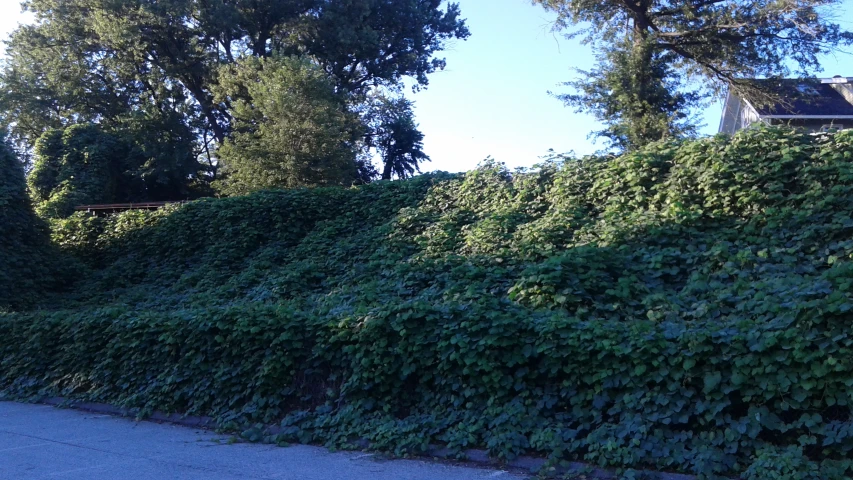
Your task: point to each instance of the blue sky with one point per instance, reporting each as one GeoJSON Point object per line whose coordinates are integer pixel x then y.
{"type": "Point", "coordinates": [492, 99]}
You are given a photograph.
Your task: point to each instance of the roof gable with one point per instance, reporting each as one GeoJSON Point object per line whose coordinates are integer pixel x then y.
{"type": "Point", "coordinates": [808, 97]}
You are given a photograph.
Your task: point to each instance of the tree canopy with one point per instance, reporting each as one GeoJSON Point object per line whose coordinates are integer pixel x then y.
{"type": "Point", "coordinates": [666, 44]}
{"type": "Point", "coordinates": [394, 134]}
{"type": "Point", "coordinates": [103, 60]}
{"type": "Point", "coordinates": [291, 127]}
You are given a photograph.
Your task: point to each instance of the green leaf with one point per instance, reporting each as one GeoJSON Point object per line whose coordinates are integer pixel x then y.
{"type": "Point", "coordinates": [712, 381]}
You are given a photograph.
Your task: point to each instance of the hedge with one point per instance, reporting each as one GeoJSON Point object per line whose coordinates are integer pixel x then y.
{"type": "Point", "coordinates": [682, 308]}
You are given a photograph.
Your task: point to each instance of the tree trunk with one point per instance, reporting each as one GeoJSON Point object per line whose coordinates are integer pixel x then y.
{"type": "Point", "coordinates": [207, 109]}
{"type": "Point", "coordinates": [386, 172]}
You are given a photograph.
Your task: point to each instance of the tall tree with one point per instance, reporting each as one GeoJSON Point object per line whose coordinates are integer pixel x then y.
{"type": "Point", "coordinates": [292, 128]}
{"type": "Point", "coordinates": [637, 94]}
{"type": "Point", "coordinates": [394, 134]}
{"type": "Point", "coordinates": [98, 60]}
{"type": "Point", "coordinates": [664, 44]}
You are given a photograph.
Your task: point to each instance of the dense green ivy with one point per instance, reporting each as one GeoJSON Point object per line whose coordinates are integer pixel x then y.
{"type": "Point", "coordinates": [682, 308]}
{"type": "Point", "coordinates": [85, 164]}
{"type": "Point", "coordinates": [29, 264]}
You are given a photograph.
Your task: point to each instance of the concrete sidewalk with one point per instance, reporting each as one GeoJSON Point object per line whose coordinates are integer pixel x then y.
{"type": "Point", "coordinates": [43, 442]}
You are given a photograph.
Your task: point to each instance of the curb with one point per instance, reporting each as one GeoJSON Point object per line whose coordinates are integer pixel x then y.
{"type": "Point", "coordinates": [473, 456]}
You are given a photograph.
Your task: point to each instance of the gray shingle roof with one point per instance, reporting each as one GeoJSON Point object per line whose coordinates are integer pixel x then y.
{"type": "Point", "coordinates": [804, 97]}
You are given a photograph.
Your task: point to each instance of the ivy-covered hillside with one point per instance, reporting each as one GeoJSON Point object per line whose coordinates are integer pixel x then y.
{"type": "Point", "coordinates": [683, 308]}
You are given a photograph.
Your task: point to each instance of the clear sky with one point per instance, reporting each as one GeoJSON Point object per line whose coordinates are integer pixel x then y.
{"type": "Point", "coordinates": [492, 99]}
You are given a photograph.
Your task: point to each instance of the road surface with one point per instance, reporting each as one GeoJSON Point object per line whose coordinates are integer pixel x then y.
{"type": "Point", "coordinates": [40, 442]}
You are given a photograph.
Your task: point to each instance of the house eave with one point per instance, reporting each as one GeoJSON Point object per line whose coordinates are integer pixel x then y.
{"type": "Point", "coordinates": [806, 117]}
{"type": "Point", "coordinates": [749, 104]}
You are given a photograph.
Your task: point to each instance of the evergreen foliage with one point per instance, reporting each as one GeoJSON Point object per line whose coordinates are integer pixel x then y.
{"type": "Point", "coordinates": [394, 134]}
{"type": "Point", "coordinates": [103, 61]}
{"type": "Point", "coordinates": [684, 307]}
{"type": "Point", "coordinates": [658, 58]}
{"type": "Point", "coordinates": [291, 127]}
{"type": "Point", "coordinates": [637, 95]}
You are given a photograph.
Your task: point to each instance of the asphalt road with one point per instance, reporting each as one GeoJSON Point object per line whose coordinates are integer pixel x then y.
{"type": "Point", "coordinates": [43, 442]}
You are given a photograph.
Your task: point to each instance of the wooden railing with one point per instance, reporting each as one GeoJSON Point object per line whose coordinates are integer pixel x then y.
{"type": "Point", "coordinates": [106, 208]}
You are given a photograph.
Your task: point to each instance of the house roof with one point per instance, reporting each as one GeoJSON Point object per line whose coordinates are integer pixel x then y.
{"type": "Point", "coordinates": [808, 97]}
